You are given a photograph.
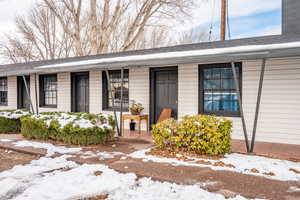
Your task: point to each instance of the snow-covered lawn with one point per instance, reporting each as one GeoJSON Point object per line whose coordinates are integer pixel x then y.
{"type": "Point", "coordinates": [246, 164]}
{"type": "Point", "coordinates": [45, 179]}
{"type": "Point", "coordinates": [58, 178]}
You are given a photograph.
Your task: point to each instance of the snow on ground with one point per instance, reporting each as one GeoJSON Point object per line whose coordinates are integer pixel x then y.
{"type": "Point", "coordinates": [13, 114]}
{"type": "Point", "coordinates": [20, 177]}
{"type": "Point", "coordinates": [51, 149]}
{"type": "Point", "coordinates": [37, 180]}
{"type": "Point", "coordinates": [243, 164]}
{"type": "Point", "coordinates": [5, 140]}
{"type": "Point", "coordinates": [294, 189]}
{"type": "Point", "coordinates": [100, 155]}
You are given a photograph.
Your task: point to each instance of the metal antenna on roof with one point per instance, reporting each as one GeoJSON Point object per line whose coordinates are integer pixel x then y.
{"type": "Point", "coordinates": [227, 18]}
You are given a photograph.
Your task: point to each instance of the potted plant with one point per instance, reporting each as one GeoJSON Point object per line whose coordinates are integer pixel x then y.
{"type": "Point", "coordinates": [136, 108]}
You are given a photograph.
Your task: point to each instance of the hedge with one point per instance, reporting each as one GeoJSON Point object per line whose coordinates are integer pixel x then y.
{"type": "Point", "coordinates": [70, 128]}
{"type": "Point", "coordinates": [203, 134]}
{"type": "Point", "coordinates": [10, 121]}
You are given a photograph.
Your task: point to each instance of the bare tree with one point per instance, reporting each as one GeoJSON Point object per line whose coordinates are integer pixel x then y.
{"type": "Point", "coordinates": [38, 37]}
{"type": "Point", "coordinates": [191, 36]}
{"type": "Point", "coordinates": [63, 28]}
{"type": "Point", "coordinates": [129, 18]}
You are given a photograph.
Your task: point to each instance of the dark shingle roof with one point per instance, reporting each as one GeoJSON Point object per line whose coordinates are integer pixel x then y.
{"type": "Point", "coordinates": [265, 40]}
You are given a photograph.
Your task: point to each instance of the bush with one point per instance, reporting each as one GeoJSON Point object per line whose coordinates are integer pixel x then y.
{"type": "Point", "coordinates": [70, 128]}
{"type": "Point", "coordinates": [32, 128]}
{"type": "Point", "coordinates": [10, 120]}
{"type": "Point", "coordinates": [202, 134]}
{"type": "Point", "coordinates": [9, 125]}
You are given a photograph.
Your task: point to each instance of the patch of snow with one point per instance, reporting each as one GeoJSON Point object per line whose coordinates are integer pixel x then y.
{"type": "Point", "coordinates": [7, 151]}
{"type": "Point", "coordinates": [39, 166]}
{"type": "Point", "coordinates": [51, 149]}
{"type": "Point", "coordinates": [148, 189]}
{"type": "Point", "coordinates": [100, 155]}
{"type": "Point", "coordinates": [294, 189]}
{"type": "Point", "coordinates": [32, 182]}
{"type": "Point", "coordinates": [243, 164]}
{"type": "Point", "coordinates": [8, 187]}
{"type": "Point", "coordinates": [14, 114]}
{"type": "Point", "coordinates": [5, 140]}
{"type": "Point", "coordinates": [83, 123]}
{"type": "Point", "coordinates": [179, 54]}
{"type": "Point", "coordinates": [20, 177]}
{"type": "Point", "coordinates": [66, 118]}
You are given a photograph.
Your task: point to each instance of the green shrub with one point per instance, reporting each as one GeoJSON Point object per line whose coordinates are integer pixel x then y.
{"type": "Point", "coordinates": [202, 133]}
{"type": "Point", "coordinates": [47, 126]}
{"type": "Point", "coordinates": [9, 125]}
{"type": "Point", "coordinates": [10, 120]}
{"type": "Point", "coordinates": [32, 128]}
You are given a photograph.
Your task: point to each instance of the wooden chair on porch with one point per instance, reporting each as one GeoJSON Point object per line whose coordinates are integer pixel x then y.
{"type": "Point", "coordinates": [165, 114]}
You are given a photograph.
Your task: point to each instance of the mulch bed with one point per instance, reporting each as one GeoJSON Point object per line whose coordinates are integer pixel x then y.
{"type": "Point", "coordinates": [188, 156]}
{"type": "Point", "coordinates": [172, 153]}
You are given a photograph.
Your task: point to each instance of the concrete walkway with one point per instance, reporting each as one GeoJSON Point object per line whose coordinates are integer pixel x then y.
{"type": "Point", "coordinates": [276, 150]}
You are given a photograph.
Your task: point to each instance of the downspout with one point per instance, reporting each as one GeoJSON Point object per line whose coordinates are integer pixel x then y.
{"type": "Point", "coordinates": [27, 92]}
{"type": "Point", "coordinates": [241, 105]}
{"type": "Point", "coordinates": [113, 100]}
{"type": "Point", "coordinates": [261, 80]}
{"type": "Point", "coordinates": [36, 95]}
{"type": "Point", "coordinates": [121, 112]}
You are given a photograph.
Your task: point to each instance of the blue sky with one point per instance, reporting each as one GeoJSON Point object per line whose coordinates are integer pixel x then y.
{"type": "Point", "coordinates": [258, 24]}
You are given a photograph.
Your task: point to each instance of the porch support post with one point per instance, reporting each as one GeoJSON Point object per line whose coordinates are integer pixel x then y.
{"type": "Point", "coordinates": [36, 94]}
{"type": "Point", "coordinates": [240, 105]}
{"type": "Point", "coordinates": [261, 80]}
{"type": "Point", "coordinates": [113, 100]}
{"type": "Point", "coordinates": [27, 92]}
{"type": "Point", "coordinates": [121, 112]}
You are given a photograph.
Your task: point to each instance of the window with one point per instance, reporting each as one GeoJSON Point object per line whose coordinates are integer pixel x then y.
{"type": "Point", "coordinates": [115, 79]}
{"type": "Point", "coordinates": [3, 91]}
{"type": "Point", "coordinates": [218, 94]}
{"type": "Point", "coordinates": [48, 90]}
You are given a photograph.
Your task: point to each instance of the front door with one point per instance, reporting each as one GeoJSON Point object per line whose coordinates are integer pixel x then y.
{"type": "Point", "coordinates": [164, 91]}
{"type": "Point", "coordinates": [80, 92]}
{"type": "Point", "coordinates": [23, 98]}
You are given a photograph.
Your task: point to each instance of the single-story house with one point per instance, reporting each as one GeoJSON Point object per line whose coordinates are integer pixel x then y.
{"type": "Point", "coordinates": [190, 79]}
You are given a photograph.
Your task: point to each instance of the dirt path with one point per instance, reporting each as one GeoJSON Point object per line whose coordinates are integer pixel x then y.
{"type": "Point", "coordinates": [8, 159]}
{"type": "Point", "coordinates": [216, 181]}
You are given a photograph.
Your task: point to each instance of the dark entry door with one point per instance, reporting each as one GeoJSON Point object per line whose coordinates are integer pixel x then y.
{"type": "Point", "coordinates": [80, 92]}
{"type": "Point", "coordinates": [164, 91]}
{"type": "Point", "coordinates": [23, 98]}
